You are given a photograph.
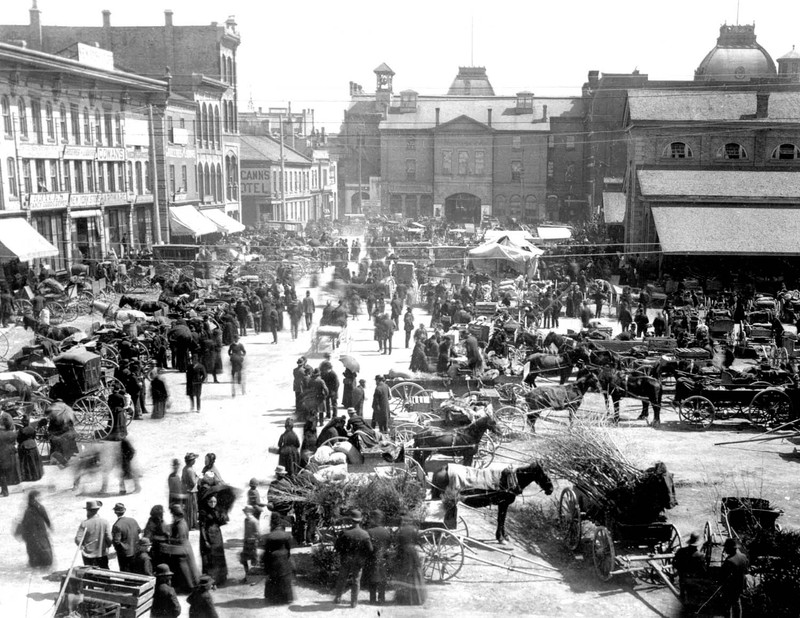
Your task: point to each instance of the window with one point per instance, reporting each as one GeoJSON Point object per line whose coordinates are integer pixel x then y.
{"type": "Point", "coordinates": [101, 177]}
{"type": "Point", "coordinates": [732, 151]}
{"type": "Point", "coordinates": [786, 152]}
{"type": "Point", "coordinates": [49, 121]}
{"type": "Point", "coordinates": [678, 150]}
{"type": "Point", "coordinates": [41, 176]}
{"type": "Point", "coordinates": [411, 169]}
{"type": "Point", "coordinates": [570, 143]}
{"type": "Point", "coordinates": [112, 177]}
{"type": "Point", "coordinates": [36, 118]}
{"type": "Point", "coordinates": [5, 106]}
{"type": "Point", "coordinates": [182, 123]}
{"type": "Point", "coordinates": [463, 163]}
{"type": "Point", "coordinates": [11, 171]}
{"type": "Point", "coordinates": [148, 177]}
{"type": "Point", "coordinates": [87, 127]}
{"type": "Point", "coordinates": [79, 186]}
{"type": "Point", "coordinates": [131, 183]}
{"type": "Point", "coordinates": [139, 179]}
{"type": "Point", "coordinates": [550, 169]}
{"type": "Point", "coordinates": [447, 161]}
{"type": "Point", "coordinates": [515, 205]}
{"type": "Point", "coordinates": [75, 118]}
{"type": "Point", "coordinates": [516, 171]}
{"type": "Point", "coordinates": [26, 176]}
{"type": "Point", "coordinates": [551, 141]}
{"type": "Point", "coordinates": [217, 139]}
{"type": "Point", "coordinates": [120, 176]}
{"type": "Point", "coordinates": [23, 117]}
{"type": "Point", "coordinates": [53, 175]}
{"type": "Point", "coordinates": [200, 181]}
{"type": "Point", "coordinates": [67, 176]}
{"type": "Point", "coordinates": [90, 177]}
{"type": "Point", "coordinates": [170, 127]}
{"type": "Point", "coordinates": [480, 166]}
{"type": "Point", "coordinates": [118, 129]}
{"type": "Point", "coordinates": [172, 179]}
{"type": "Point", "coordinates": [411, 143]}
{"type": "Point", "coordinates": [98, 127]}
{"type": "Point", "coordinates": [516, 142]}
{"type": "Point", "coordinates": [184, 179]}
{"type": "Point", "coordinates": [63, 124]}
{"type": "Point", "coordinates": [500, 206]}
{"type": "Point", "coordinates": [107, 120]}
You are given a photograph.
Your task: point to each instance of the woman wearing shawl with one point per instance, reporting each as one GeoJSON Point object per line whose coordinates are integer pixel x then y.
{"type": "Point", "coordinates": [34, 529]}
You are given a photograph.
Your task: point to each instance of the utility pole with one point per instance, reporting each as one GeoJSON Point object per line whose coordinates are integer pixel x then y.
{"type": "Point", "coordinates": [360, 137]}
{"type": "Point", "coordinates": [283, 174]}
{"type": "Point", "coordinates": [154, 179]}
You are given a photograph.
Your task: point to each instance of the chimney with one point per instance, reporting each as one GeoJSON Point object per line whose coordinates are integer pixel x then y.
{"type": "Point", "coordinates": [437, 116]}
{"type": "Point", "coordinates": [259, 109]}
{"type": "Point", "coordinates": [489, 119]}
{"type": "Point", "coordinates": [106, 19]}
{"type": "Point", "coordinates": [544, 113]}
{"type": "Point", "coordinates": [35, 28]}
{"type": "Point", "coordinates": [762, 105]}
{"type": "Point", "coordinates": [594, 78]}
{"type": "Point", "coordinates": [168, 17]}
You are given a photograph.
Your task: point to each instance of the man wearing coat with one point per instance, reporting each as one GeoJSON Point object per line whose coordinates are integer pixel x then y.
{"type": "Point", "coordinates": [298, 374]}
{"type": "Point", "coordinates": [332, 382]}
{"type": "Point", "coordinates": [377, 571]}
{"type": "Point", "coordinates": [380, 405]}
{"type": "Point", "coordinates": [125, 534]}
{"type": "Point", "coordinates": [357, 397]}
{"type": "Point", "coordinates": [94, 537]}
{"type": "Point", "coordinates": [354, 548]}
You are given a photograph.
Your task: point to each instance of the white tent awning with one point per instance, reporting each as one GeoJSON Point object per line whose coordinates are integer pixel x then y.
{"type": "Point", "coordinates": [19, 240]}
{"type": "Point", "coordinates": [188, 221]}
{"type": "Point", "coordinates": [224, 223]}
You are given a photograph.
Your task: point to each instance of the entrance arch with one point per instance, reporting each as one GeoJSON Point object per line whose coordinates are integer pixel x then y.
{"type": "Point", "coordinates": [463, 208]}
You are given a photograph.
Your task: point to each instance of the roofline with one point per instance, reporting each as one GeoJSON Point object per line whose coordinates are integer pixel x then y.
{"type": "Point", "coordinates": [277, 143]}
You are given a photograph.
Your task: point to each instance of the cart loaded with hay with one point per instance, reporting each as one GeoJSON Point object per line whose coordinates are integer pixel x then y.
{"type": "Point", "coordinates": [625, 504]}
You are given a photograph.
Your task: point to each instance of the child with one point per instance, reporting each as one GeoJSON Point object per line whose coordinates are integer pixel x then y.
{"type": "Point", "coordinates": [254, 498]}
{"type": "Point", "coordinates": [251, 535]}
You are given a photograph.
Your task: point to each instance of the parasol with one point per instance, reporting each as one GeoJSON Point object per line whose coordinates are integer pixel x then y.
{"type": "Point", "coordinates": [350, 363]}
{"type": "Point", "coordinates": [226, 496]}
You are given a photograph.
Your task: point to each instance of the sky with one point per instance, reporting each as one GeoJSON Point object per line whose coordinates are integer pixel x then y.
{"type": "Point", "coordinates": [306, 52]}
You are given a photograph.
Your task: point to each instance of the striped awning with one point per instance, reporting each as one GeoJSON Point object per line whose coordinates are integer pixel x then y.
{"type": "Point", "coordinates": [188, 221]}
{"type": "Point", "coordinates": [224, 223]}
{"type": "Point", "coordinates": [19, 240]}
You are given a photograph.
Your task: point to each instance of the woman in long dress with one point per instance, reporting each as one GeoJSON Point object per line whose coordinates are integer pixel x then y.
{"type": "Point", "coordinates": [157, 531]}
{"type": "Point", "coordinates": [212, 550]}
{"type": "Point", "coordinates": [34, 529]}
{"type": "Point", "coordinates": [277, 563]}
{"type": "Point", "coordinates": [30, 463]}
{"type": "Point", "coordinates": [409, 582]}
{"type": "Point", "coordinates": [180, 556]}
{"type": "Point", "coordinates": [189, 480]}
{"type": "Point", "coordinates": [9, 473]}
{"type": "Point", "coordinates": [289, 449]}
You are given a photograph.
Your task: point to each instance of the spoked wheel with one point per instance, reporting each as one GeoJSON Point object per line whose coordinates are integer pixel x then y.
{"type": "Point", "coordinates": [569, 519]}
{"type": "Point", "coordinates": [708, 544]}
{"type": "Point", "coordinates": [24, 307]}
{"type": "Point", "coordinates": [485, 453]}
{"type": "Point", "coordinates": [770, 407]}
{"type": "Point", "coordinates": [71, 311]}
{"type": "Point", "coordinates": [57, 313]}
{"type": "Point", "coordinates": [670, 546]}
{"type": "Point", "coordinates": [696, 411]}
{"type": "Point", "coordinates": [512, 420]}
{"type": "Point", "coordinates": [603, 554]}
{"type": "Point", "coordinates": [94, 420]}
{"type": "Point", "coordinates": [442, 554]}
{"type": "Point", "coordinates": [144, 352]}
{"type": "Point", "coordinates": [400, 396]}
{"type": "Point", "coordinates": [404, 434]}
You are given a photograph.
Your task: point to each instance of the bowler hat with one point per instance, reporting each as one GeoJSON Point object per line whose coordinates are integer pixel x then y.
{"type": "Point", "coordinates": [379, 378]}
{"type": "Point", "coordinates": [280, 470]}
{"type": "Point", "coordinates": [355, 516]}
{"type": "Point", "coordinates": [162, 570]}
{"type": "Point", "coordinates": [206, 581]}
{"type": "Point", "coordinates": [694, 538]}
{"type": "Point", "coordinates": [93, 505]}
{"type": "Point", "coordinates": [119, 507]}
{"type": "Point", "coordinates": [176, 509]}
{"type": "Point", "coordinates": [299, 361]}
{"type": "Point", "coordinates": [362, 381]}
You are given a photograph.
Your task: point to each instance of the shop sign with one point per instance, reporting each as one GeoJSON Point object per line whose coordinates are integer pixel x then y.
{"type": "Point", "coordinates": [39, 151]}
{"type": "Point", "coordinates": [110, 154]}
{"type": "Point", "coordinates": [79, 200]}
{"type": "Point", "coordinates": [79, 152]}
{"type": "Point", "coordinates": [47, 200]}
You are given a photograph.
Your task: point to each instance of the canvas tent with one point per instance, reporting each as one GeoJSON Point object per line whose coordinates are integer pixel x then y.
{"type": "Point", "coordinates": [491, 256]}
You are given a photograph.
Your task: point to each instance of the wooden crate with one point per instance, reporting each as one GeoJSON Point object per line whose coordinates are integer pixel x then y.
{"type": "Point", "coordinates": [132, 591]}
{"type": "Point", "coordinates": [662, 345]}
{"type": "Point", "coordinates": [95, 608]}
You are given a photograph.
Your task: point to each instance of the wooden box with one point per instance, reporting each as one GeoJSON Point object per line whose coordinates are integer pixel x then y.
{"type": "Point", "coordinates": [133, 592]}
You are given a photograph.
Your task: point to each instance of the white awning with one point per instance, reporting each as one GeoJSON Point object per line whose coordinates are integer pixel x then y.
{"type": "Point", "coordinates": [84, 214]}
{"type": "Point", "coordinates": [188, 221]}
{"type": "Point", "coordinates": [224, 223]}
{"type": "Point", "coordinates": [551, 232]}
{"type": "Point", "coordinates": [19, 240]}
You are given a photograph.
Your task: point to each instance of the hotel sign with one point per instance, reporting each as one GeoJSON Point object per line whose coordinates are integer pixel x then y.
{"type": "Point", "coordinates": [256, 182]}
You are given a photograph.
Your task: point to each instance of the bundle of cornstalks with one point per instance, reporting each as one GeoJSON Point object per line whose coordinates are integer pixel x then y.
{"type": "Point", "coordinates": [588, 456]}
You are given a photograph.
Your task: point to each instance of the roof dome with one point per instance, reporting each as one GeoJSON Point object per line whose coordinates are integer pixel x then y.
{"type": "Point", "coordinates": [736, 57]}
{"type": "Point", "coordinates": [471, 81]}
{"type": "Point", "coordinates": [792, 55]}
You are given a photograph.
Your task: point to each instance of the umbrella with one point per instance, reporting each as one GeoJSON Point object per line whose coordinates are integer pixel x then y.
{"type": "Point", "coordinates": [350, 363]}
{"type": "Point", "coordinates": [226, 496]}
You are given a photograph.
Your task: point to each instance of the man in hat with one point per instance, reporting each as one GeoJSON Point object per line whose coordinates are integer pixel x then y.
{"type": "Point", "coordinates": [279, 491]}
{"type": "Point", "coordinates": [380, 405]}
{"type": "Point", "coordinates": [124, 534]}
{"type": "Point", "coordinates": [298, 375]}
{"type": "Point", "coordinates": [165, 601]}
{"type": "Point", "coordinates": [195, 376]}
{"type": "Point", "coordinates": [354, 548]}
{"type": "Point", "coordinates": [201, 603]}
{"type": "Point", "coordinates": [308, 309]}
{"type": "Point", "coordinates": [142, 563]}
{"type": "Point", "coordinates": [733, 584]}
{"type": "Point", "coordinates": [94, 536]}
{"type": "Point", "coordinates": [690, 565]}
{"type": "Point", "coordinates": [377, 569]}
{"type": "Point", "coordinates": [189, 480]}
{"type": "Point", "coordinates": [357, 397]}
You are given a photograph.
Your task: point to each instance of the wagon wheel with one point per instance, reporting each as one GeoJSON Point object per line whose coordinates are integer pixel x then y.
{"type": "Point", "coordinates": [569, 519]}
{"type": "Point", "coordinates": [144, 351]}
{"type": "Point", "coordinates": [512, 420]}
{"type": "Point", "coordinates": [484, 454]}
{"type": "Point", "coordinates": [71, 311]}
{"type": "Point", "coordinates": [697, 411]}
{"type": "Point", "coordinates": [442, 554]}
{"type": "Point", "coordinates": [405, 433]}
{"type": "Point", "coordinates": [400, 395]}
{"type": "Point", "coordinates": [708, 543]}
{"type": "Point", "coordinates": [93, 418]}
{"type": "Point", "coordinates": [770, 406]}
{"type": "Point", "coordinates": [57, 314]}
{"type": "Point", "coordinates": [24, 307]}
{"type": "Point", "coordinates": [670, 546]}
{"type": "Point", "coordinates": [603, 554]}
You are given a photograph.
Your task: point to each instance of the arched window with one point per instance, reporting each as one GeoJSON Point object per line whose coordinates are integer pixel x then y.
{"type": "Point", "coordinates": [98, 126]}
{"type": "Point", "coordinates": [198, 126]}
{"type": "Point", "coordinates": [49, 121]}
{"type": "Point", "coordinates": [5, 109]}
{"type": "Point", "coordinates": [500, 206]}
{"type": "Point", "coordinates": [22, 110]}
{"type": "Point", "coordinates": [678, 150]}
{"type": "Point", "coordinates": [63, 123]}
{"type": "Point", "coordinates": [224, 69]}
{"type": "Point", "coordinates": [231, 75]}
{"type": "Point", "coordinates": [204, 126]}
{"type": "Point", "coordinates": [220, 195]}
{"type": "Point", "coordinates": [217, 128]}
{"type": "Point", "coordinates": [515, 206]}
{"type": "Point", "coordinates": [732, 151]}
{"type": "Point", "coordinates": [225, 117]}
{"type": "Point", "coordinates": [786, 152]}
{"type": "Point", "coordinates": [530, 208]}
{"type": "Point", "coordinates": [233, 178]}
{"type": "Point", "coordinates": [200, 181]}
{"type": "Point", "coordinates": [207, 177]}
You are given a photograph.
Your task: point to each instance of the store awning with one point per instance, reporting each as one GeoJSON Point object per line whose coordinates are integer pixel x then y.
{"type": "Point", "coordinates": [84, 214]}
{"type": "Point", "coordinates": [553, 233]}
{"type": "Point", "coordinates": [613, 207]}
{"type": "Point", "coordinates": [19, 240]}
{"type": "Point", "coordinates": [188, 221]}
{"type": "Point", "coordinates": [224, 223]}
{"type": "Point", "coordinates": [728, 230]}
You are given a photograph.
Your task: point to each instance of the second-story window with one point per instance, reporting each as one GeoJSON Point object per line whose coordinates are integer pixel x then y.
{"type": "Point", "coordinates": [570, 143]}
{"type": "Point", "coordinates": [75, 121]}
{"type": "Point", "coordinates": [36, 120]}
{"type": "Point", "coordinates": [411, 143]}
{"type": "Point", "coordinates": [87, 127]}
{"type": "Point", "coordinates": [63, 123]}
{"type": "Point", "coordinates": [98, 127]}
{"type": "Point", "coordinates": [411, 169]}
{"type": "Point", "coordinates": [22, 111]}
{"type": "Point", "coordinates": [109, 126]}
{"type": "Point", "coordinates": [5, 107]}
{"type": "Point", "coordinates": [27, 181]}
{"type": "Point", "coordinates": [67, 176]}
{"type": "Point", "coordinates": [50, 123]}
{"type": "Point", "coordinates": [516, 171]}
{"type": "Point", "coordinates": [447, 161]}
{"type": "Point", "coordinates": [480, 166]}
{"type": "Point", "coordinates": [118, 129]}
{"type": "Point", "coordinates": [463, 163]}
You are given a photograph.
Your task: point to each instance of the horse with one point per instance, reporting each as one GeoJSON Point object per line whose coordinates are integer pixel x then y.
{"type": "Point", "coordinates": [561, 342]}
{"type": "Point", "coordinates": [563, 397]}
{"type": "Point", "coordinates": [501, 490]}
{"type": "Point", "coordinates": [56, 333]}
{"type": "Point", "coordinates": [460, 441]}
{"type": "Point", "coordinates": [527, 339]}
{"type": "Point", "coordinates": [619, 384]}
{"type": "Point", "coordinates": [146, 306]}
{"type": "Point", "coordinates": [554, 364]}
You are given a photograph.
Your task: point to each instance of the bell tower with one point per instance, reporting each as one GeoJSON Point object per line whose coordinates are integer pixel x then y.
{"type": "Point", "coordinates": [383, 83]}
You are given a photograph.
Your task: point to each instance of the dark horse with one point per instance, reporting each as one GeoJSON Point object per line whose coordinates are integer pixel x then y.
{"type": "Point", "coordinates": [147, 306]}
{"type": "Point", "coordinates": [561, 397]}
{"type": "Point", "coordinates": [57, 333]}
{"type": "Point", "coordinates": [501, 492]}
{"type": "Point", "coordinates": [554, 364]}
{"type": "Point", "coordinates": [458, 441]}
{"type": "Point", "coordinates": [619, 384]}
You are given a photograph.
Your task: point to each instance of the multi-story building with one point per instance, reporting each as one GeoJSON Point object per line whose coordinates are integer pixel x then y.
{"type": "Point", "coordinates": [297, 126]}
{"type": "Point", "coordinates": [271, 191]}
{"type": "Point", "coordinates": [199, 62]}
{"type": "Point", "coordinates": [324, 186]}
{"type": "Point", "coordinates": [465, 154]}
{"type": "Point", "coordinates": [75, 149]}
